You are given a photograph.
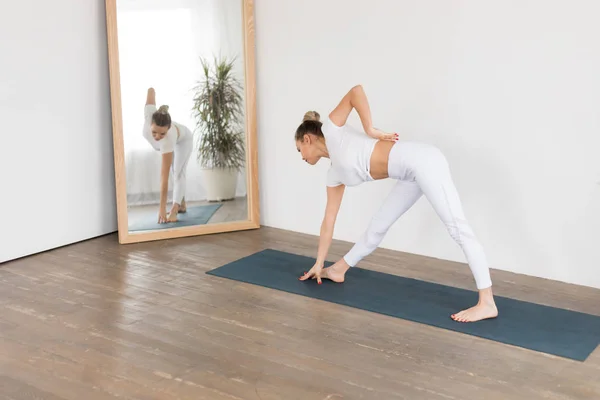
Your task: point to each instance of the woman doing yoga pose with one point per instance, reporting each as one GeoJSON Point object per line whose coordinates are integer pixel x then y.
{"type": "Point", "coordinates": [419, 169]}
{"type": "Point", "coordinates": [175, 143]}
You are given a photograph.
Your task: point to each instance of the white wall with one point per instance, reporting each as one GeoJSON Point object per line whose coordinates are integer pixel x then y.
{"type": "Point", "coordinates": [509, 90]}
{"type": "Point", "coordinates": [57, 174]}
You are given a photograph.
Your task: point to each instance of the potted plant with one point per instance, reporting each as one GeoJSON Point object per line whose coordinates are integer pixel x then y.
{"type": "Point", "coordinates": [219, 112]}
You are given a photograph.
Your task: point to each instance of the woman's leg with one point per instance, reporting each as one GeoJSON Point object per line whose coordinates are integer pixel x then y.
{"type": "Point", "coordinates": [401, 198]}
{"type": "Point", "coordinates": [183, 151]}
{"type": "Point", "coordinates": [435, 180]}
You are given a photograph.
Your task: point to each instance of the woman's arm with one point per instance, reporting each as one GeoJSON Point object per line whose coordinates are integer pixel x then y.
{"type": "Point", "coordinates": [334, 199]}
{"type": "Point", "coordinates": [354, 99]}
{"type": "Point", "coordinates": [167, 160]}
{"type": "Point", "coordinates": [151, 97]}
{"type": "Point", "coordinates": [357, 99]}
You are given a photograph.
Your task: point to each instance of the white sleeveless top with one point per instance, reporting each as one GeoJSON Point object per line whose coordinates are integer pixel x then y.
{"type": "Point", "coordinates": [350, 153]}
{"type": "Point", "coordinates": [166, 144]}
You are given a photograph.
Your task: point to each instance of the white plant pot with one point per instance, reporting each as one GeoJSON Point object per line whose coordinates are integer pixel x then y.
{"type": "Point", "coordinates": [220, 183]}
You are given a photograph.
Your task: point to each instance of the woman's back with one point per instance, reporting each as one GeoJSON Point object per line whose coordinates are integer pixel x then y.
{"type": "Point", "coordinates": [355, 156]}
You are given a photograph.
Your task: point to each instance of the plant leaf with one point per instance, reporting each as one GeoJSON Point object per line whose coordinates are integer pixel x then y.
{"type": "Point", "coordinates": [219, 112]}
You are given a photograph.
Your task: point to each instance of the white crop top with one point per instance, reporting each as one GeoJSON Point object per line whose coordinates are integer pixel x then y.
{"type": "Point", "coordinates": [167, 143]}
{"type": "Point", "coordinates": [350, 154]}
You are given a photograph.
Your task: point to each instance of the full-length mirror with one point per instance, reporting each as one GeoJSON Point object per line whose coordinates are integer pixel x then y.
{"type": "Point", "coordinates": [183, 101]}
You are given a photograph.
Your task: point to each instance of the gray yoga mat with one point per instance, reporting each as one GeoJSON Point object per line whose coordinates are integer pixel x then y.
{"type": "Point", "coordinates": [194, 215]}
{"type": "Point", "coordinates": [551, 330]}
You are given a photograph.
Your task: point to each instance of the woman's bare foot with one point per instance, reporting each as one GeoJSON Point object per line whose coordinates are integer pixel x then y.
{"type": "Point", "coordinates": [182, 207]}
{"type": "Point", "coordinates": [485, 308]}
{"type": "Point", "coordinates": [336, 272]}
{"type": "Point", "coordinates": [173, 213]}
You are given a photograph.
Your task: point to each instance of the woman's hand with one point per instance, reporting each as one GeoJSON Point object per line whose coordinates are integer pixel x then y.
{"type": "Point", "coordinates": [151, 96]}
{"type": "Point", "coordinates": [162, 216]}
{"type": "Point", "coordinates": [314, 273]}
{"type": "Point", "coordinates": [377, 134]}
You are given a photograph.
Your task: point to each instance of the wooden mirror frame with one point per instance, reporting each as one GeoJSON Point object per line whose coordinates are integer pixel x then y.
{"type": "Point", "coordinates": [119, 153]}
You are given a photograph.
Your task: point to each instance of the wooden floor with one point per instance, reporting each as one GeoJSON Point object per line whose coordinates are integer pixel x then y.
{"type": "Point", "coordinates": [99, 320]}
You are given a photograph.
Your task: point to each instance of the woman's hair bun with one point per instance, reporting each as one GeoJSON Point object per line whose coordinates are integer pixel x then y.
{"type": "Point", "coordinates": [163, 109]}
{"type": "Point", "coordinates": [311, 116]}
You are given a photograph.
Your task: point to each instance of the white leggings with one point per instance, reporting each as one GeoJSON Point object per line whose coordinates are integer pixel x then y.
{"type": "Point", "coordinates": [423, 169]}
{"type": "Point", "coordinates": [181, 156]}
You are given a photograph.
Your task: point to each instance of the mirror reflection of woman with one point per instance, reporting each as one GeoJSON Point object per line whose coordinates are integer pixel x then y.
{"type": "Point", "coordinates": [175, 142]}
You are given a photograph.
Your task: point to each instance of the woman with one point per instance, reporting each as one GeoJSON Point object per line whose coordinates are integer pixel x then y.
{"type": "Point", "coordinates": [418, 168]}
{"type": "Point", "coordinates": [174, 141]}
